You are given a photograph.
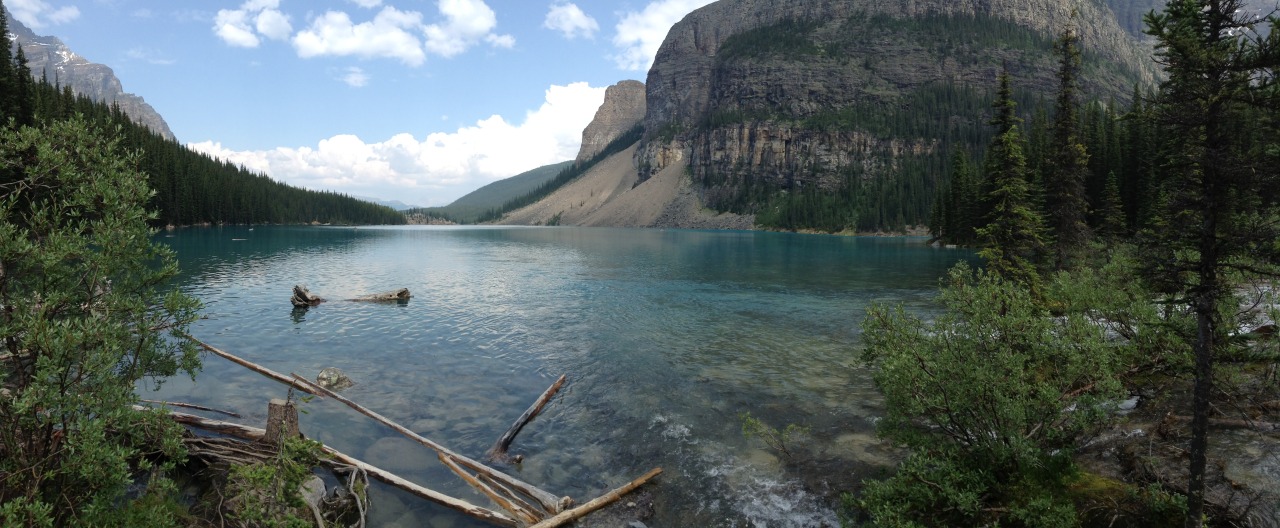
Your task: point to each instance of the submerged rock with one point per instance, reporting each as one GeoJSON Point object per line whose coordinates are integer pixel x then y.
{"type": "Point", "coordinates": [302, 297]}
{"type": "Point", "coordinates": [333, 379]}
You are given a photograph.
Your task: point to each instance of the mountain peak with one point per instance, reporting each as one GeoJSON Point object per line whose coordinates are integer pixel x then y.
{"type": "Point", "coordinates": [47, 55]}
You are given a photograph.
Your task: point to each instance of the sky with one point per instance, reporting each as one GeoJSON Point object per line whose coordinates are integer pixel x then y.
{"type": "Point", "coordinates": [420, 101]}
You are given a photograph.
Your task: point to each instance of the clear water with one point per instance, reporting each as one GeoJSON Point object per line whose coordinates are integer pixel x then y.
{"type": "Point", "coordinates": [666, 336]}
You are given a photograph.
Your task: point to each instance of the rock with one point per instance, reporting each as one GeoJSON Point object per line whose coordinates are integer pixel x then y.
{"type": "Point", "coordinates": [333, 379]}
{"type": "Point", "coordinates": [313, 491]}
{"type": "Point", "coordinates": [622, 109]}
{"type": "Point", "coordinates": [302, 297]}
{"type": "Point", "coordinates": [637, 524]}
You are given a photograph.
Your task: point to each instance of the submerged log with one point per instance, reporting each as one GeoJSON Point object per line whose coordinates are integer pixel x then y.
{"type": "Point", "coordinates": [302, 297]}
{"type": "Point", "coordinates": [400, 295]}
{"type": "Point", "coordinates": [568, 516]}
{"type": "Point", "coordinates": [498, 453]}
{"type": "Point", "coordinates": [549, 502]}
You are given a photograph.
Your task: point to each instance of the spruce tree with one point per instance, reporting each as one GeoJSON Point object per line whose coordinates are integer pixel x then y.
{"type": "Point", "coordinates": [1220, 184]}
{"type": "Point", "coordinates": [1064, 181]}
{"type": "Point", "coordinates": [1012, 240]}
{"type": "Point", "coordinates": [8, 77]}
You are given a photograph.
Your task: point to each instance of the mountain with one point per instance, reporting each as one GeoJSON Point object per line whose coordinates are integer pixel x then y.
{"type": "Point", "coordinates": [623, 108]}
{"type": "Point", "coordinates": [755, 108]}
{"type": "Point", "coordinates": [48, 56]}
{"type": "Point", "coordinates": [473, 205]}
{"type": "Point", "coordinates": [394, 204]}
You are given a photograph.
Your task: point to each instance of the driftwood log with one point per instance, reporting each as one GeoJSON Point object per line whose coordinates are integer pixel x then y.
{"type": "Point", "coordinates": [255, 367]}
{"type": "Point", "coordinates": [568, 516]}
{"type": "Point", "coordinates": [302, 297]}
{"type": "Point", "coordinates": [400, 295]}
{"type": "Point", "coordinates": [256, 435]}
{"type": "Point", "coordinates": [498, 453]}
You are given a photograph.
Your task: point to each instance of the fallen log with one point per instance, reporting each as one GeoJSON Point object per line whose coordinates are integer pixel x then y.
{"type": "Point", "coordinates": [498, 453]}
{"type": "Point", "coordinates": [574, 514]}
{"type": "Point", "coordinates": [255, 434]}
{"type": "Point", "coordinates": [400, 295]}
{"type": "Point", "coordinates": [548, 501]}
{"type": "Point", "coordinates": [256, 367]}
{"type": "Point", "coordinates": [303, 298]}
{"type": "Point", "coordinates": [499, 498]}
{"type": "Point", "coordinates": [192, 406]}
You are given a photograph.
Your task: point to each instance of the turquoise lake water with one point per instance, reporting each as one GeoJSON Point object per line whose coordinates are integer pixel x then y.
{"type": "Point", "coordinates": [666, 336]}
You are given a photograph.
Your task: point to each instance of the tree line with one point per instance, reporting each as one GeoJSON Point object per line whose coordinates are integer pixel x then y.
{"type": "Point", "coordinates": [1119, 248]}
{"type": "Point", "coordinates": [190, 187]}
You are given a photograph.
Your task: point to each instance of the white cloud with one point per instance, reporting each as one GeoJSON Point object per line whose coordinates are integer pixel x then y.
{"type": "Point", "coordinates": [440, 167]}
{"type": "Point", "coordinates": [242, 27]}
{"type": "Point", "coordinates": [388, 35]}
{"type": "Point", "coordinates": [467, 22]}
{"type": "Point", "coordinates": [569, 20]}
{"type": "Point", "coordinates": [367, 4]}
{"type": "Point", "coordinates": [38, 14]}
{"type": "Point", "coordinates": [355, 77]}
{"type": "Point", "coordinates": [641, 33]}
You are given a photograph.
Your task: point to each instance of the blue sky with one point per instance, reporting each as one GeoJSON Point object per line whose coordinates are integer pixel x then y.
{"type": "Point", "coordinates": [416, 100]}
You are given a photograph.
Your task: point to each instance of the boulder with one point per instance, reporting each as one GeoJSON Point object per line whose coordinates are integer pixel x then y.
{"type": "Point", "coordinates": [333, 379]}
{"type": "Point", "coordinates": [303, 298]}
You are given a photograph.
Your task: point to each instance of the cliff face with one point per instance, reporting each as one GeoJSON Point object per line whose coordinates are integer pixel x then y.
{"type": "Point", "coordinates": [48, 55]}
{"type": "Point", "coordinates": [800, 93]}
{"type": "Point", "coordinates": [623, 108]}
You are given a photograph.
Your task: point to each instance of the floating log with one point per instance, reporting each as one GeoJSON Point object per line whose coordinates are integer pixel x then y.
{"type": "Point", "coordinates": [256, 368]}
{"type": "Point", "coordinates": [303, 297]}
{"type": "Point", "coordinates": [400, 295]}
{"type": "Point", "coordinates": [498, 453]}
{"type": "Point", "coordinates": [192, 406]}
{"type": "Point", "coordinates": [574, 514]}
{"type": "Point", "coordinates": [255, 434]}
{"type": "Point", "coordinates": [548, 501]}
{"type": "Point", "coordinates": [513, 507]}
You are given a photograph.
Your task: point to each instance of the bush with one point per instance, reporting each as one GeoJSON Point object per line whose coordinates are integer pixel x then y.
{"type": "Point", "coordinates": [82, 321]}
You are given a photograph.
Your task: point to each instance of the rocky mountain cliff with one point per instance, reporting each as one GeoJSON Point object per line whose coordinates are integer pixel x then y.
{"type": "Point", "coordinates": [622, 109]}
{"type": "Point", "coordinates": [758, 97]}
{"type": "Point", "coordinates": [50, 56]}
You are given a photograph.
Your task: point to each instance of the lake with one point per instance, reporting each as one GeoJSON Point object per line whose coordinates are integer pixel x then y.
{"type": "Point", "coordinates": [667, 337]}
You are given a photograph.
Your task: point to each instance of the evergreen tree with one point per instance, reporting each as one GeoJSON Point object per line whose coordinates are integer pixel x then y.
{"type": "Point", "coordinates": [1111, 220]}
{"type": "Point", "coordinates": [8, 77]}
{"type": "Point", "coordinates": [1218, 106]}
{"type": "Point", "coordinates": [1064, 181]}
{"type": "Point", "coordinates": [1012, 240]}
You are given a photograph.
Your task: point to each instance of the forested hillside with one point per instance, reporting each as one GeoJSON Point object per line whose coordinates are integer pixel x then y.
{"type": "Point", "coordinates": [475, 204]}
{"type": "Point", "coordinates": [190, 187]}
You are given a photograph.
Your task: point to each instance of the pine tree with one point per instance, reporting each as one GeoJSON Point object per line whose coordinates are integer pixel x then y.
{"type": "Point", "coordinates": [1012, 240]}
{"type": "Point", "coordinates": [1064, 181]}
{"type": "Point", "coordinates": [1221, 182]}
{"type": "Point", "coordinates": [8, 77]}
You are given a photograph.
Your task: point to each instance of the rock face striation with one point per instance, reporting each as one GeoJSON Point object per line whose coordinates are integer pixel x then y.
{"type": "Point", "coordinates": [796, 94]}
{"type": "Point", "coordinates": [50, 56]}
{"type": "Point", "coordinates": [623, 108]}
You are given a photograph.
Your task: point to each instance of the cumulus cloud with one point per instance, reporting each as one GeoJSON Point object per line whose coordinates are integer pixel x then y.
{"type": "Point", "coordinates": [466, 23]}
{"type": "Point", "coordinates": [367, 4]}
{"type": "Point", "coordinates": [440, 167]}
{"type": "Point", "coordinates": [255, 18]}
{"type": "Point", "coordinates": [388, 35]}
{"type": "Point", "coordinates": [569, 20]}
{"type": "Point", "coordinates": [641, 33]}
{"type": "Point", "coordinates": [38, 14]}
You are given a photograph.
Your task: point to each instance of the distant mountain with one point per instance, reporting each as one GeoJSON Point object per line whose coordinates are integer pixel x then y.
{"type": "Point", "coordinates": [49, 56]}
{"type": "Point", "coordinates": [394, 204]}
{"type": "Point", "coordinates": [471, 207]}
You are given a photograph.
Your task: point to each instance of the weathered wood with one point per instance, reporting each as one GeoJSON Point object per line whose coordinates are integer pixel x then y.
{"type": "Point", "coordinates": [574, 514]}
{"type": "Point", "coordinates": [399, 295]}
{"type": "Point", "coordinates": [192, 406]}
{"type": "Point", "coordinates": [548, 501]}
{"type": "Point", "coordinates": [253, 433]}
{"type": "Point", "coordinates": [302, 297]}
{"type": "Point", "coordinates": [498, 453]}
{"type": "Point", "coordinates": [256, 367]}
{"type": "Point", "coordinates": [499, 498]}
{"type": "Point", "coordinates": [282, 421]}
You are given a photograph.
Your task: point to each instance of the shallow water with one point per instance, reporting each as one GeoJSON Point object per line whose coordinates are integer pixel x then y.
{"type": "Point", "coordinates": [666, 336]}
